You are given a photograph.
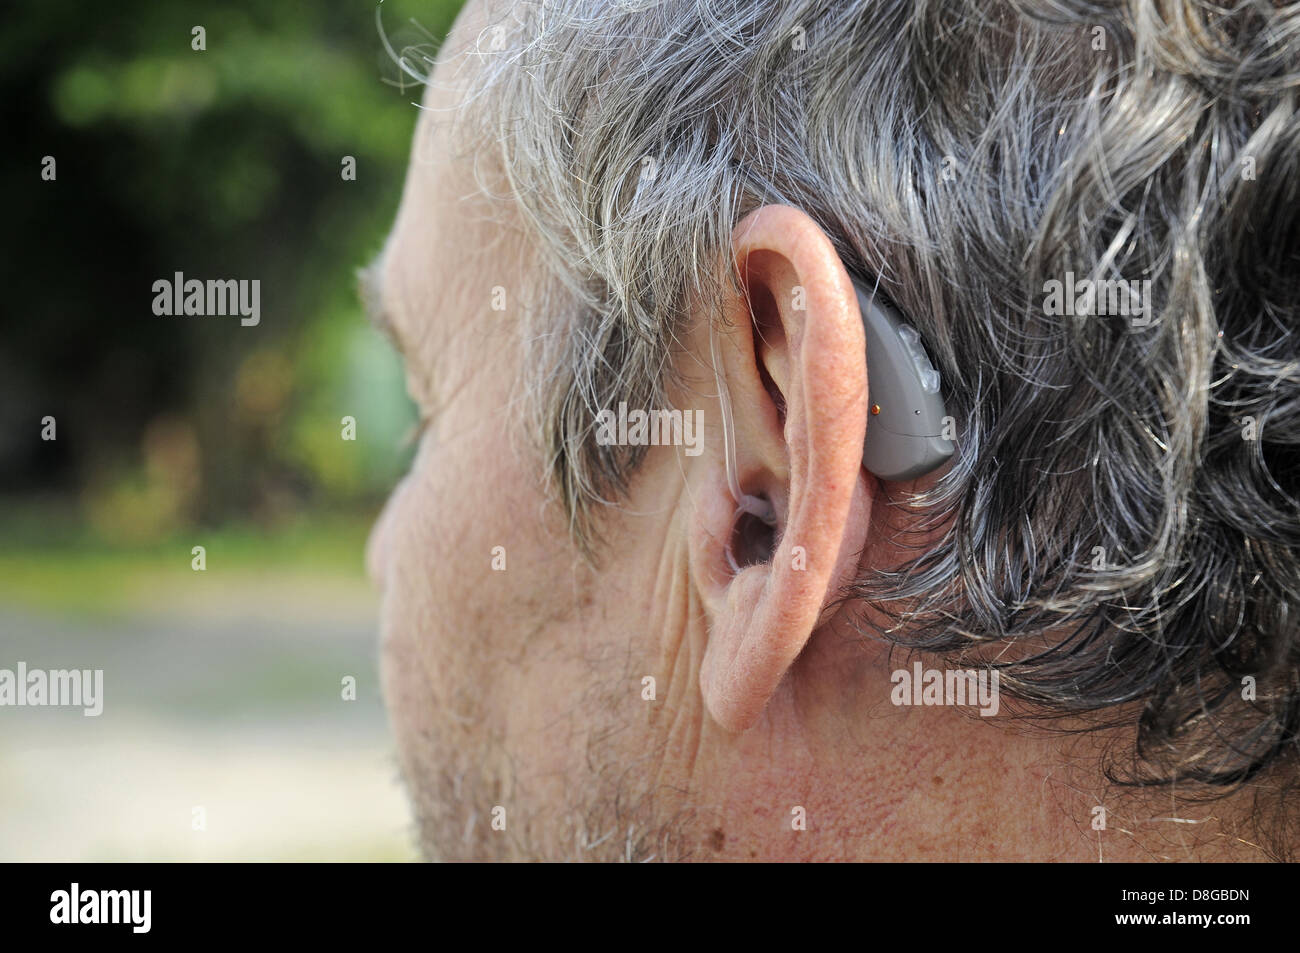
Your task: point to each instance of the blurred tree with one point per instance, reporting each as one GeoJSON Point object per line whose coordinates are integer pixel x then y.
{"type": "Point", "coordinates": [223, 162]}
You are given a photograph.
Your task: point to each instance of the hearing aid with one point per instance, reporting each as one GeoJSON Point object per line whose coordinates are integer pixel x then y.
{"type": "Point", "coordinates": [906, 418]}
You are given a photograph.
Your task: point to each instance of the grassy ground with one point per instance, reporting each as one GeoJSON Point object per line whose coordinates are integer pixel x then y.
{"type": "Point", "coordinates": [60, 568]}
{"type": "Point", "coordinates": [222, 692]}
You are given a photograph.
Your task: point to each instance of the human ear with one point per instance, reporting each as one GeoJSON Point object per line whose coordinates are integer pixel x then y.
{"type": "Point", "coordinates": [794, 365]}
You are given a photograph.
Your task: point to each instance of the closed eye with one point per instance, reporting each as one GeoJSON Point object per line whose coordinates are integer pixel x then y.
{"type": "Point", "coordinates": [416, 431]}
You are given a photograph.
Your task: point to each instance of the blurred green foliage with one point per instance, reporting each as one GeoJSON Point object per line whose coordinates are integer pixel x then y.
{"type": "Point", "coordinates": [219, 163]}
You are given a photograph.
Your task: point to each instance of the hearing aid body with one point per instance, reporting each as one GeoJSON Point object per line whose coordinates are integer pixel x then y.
{"type": "Point", "coordinates": [906, 422]}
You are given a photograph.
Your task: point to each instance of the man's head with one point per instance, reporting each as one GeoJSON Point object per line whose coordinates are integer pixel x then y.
{"type": "Point", "coordinates": [594, 645]}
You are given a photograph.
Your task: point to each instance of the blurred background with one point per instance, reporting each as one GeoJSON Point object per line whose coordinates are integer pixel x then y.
{"type": "Point", "coordinates": [223, 688]}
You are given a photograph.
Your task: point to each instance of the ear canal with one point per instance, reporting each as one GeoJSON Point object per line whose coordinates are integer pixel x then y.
{"type": "Point", "coordinates": [753, 533]}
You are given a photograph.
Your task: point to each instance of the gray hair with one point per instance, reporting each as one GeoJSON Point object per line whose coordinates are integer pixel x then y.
{"type": "Point", "coordinates": [1105, 518]}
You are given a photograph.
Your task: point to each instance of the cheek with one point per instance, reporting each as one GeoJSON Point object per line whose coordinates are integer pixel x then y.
{"type": "Point", "coordinates": [457, 547]}
{"type": "Point", "coordinates": [437, 632]}
{"type": "Point", "coordinates": [380, 543]}
{"type": "Point", "coordinates": [432, 544]}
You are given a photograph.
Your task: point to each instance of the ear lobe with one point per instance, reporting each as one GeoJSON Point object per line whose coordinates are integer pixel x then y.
{"type": "Point", "coordinates": [810, 462]}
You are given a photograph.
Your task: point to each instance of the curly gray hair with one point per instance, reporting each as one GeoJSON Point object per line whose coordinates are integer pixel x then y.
{"type": "Point", "coordinates": [1125, 508]}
